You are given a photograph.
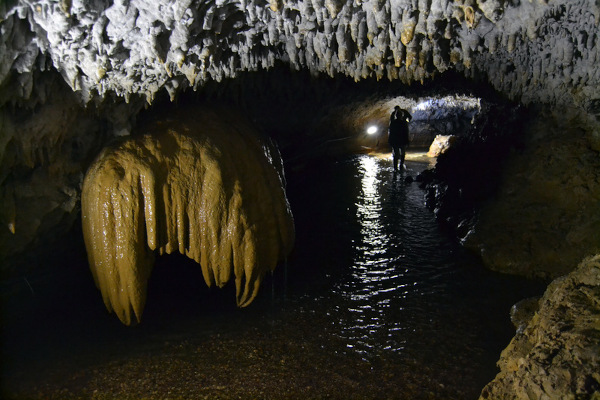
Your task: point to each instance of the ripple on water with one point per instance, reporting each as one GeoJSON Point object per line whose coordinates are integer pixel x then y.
{"type": "Point", "coordinates": [376, 303]}
{"type": "Point", "coordinates": [407, 292]}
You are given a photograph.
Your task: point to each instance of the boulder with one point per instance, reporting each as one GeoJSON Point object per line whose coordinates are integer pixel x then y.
{"type": "Point", "coordinates": [440, 145]}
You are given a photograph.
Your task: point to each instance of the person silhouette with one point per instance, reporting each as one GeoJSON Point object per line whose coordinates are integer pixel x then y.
{"type": "Point", "coordinates": [398, 135]}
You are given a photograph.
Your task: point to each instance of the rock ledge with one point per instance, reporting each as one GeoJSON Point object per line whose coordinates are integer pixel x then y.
{"type": "Point", "coordinates": [557, 356]}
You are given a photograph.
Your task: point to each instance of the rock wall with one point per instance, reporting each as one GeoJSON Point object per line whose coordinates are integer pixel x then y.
{"type": "Point", "coordinates": [469, 174]}
{"type": "Point", "coordinates": [557, 355]}
{"type": "Point", "coordinates": [47, 141]}
{"type": "Point", "coordinates": [44, 148]}
{"type": "Point", "coordinates": [546, 214]}
{"type": "Point", "coordinates": [522, 189]}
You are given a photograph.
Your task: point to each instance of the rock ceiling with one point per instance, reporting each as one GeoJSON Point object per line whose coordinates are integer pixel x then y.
{"type": "Point", "coordinates": [530, 50]}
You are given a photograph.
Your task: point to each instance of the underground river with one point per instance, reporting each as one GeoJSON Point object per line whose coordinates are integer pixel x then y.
{"type": "Point", "coordinates": [376, 301]}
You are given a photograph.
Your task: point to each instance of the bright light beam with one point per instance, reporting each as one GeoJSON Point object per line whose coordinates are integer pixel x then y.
{"type": "Point", "coordinates": [372, 130]}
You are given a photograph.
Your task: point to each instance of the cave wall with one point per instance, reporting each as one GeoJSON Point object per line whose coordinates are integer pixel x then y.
{"type": "Point", "coordinates": [546, 215]}
{"type": "Point", "coordinates": [44, 148]}
{"type": "Point", "coordinates": [555, 353]}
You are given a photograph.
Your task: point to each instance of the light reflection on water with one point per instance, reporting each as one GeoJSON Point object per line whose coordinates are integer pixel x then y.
{"type": "Point", "coordinates": [377, 303]}
{"type": "Point", "coordinates": [380, 279]}
{"type": "Point", "coordinates": [371, 269]}
{"type": "Point", "coordinates": [398, 259]}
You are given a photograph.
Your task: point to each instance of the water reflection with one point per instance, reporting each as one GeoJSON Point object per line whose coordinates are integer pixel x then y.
{"type": "Point", "coordinates": [378, 279]}
{"type": "Point", "coordinates": [374, 241]}
{"type": "Point", "coordinates": [401, 267]}
{"type": "Point", "coordinates": [380, 305]}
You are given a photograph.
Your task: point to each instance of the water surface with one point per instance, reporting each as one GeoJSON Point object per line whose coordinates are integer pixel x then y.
{"type": "Point", "coordinates": [376, 301]}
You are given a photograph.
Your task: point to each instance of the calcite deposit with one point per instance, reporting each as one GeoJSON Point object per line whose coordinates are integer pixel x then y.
{"type": "Point", "coordinates": [205, 186]}
{"type": "Point", "coordinates": [557, 355]}
{"type": "Point", "coordinates": [531, 50]}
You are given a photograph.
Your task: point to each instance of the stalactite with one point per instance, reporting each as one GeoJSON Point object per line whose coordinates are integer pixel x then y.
{"type": "Point", "coordinates": [201, 184]}
{"type": "Point", "coordinates": [127, 48]}
{"type": "Point", "coordinates": [408, 28]}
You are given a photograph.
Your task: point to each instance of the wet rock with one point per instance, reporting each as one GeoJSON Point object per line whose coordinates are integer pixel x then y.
{"type": "Point", "coordinates": [183, 183]}
{"type": "Point", "coordinates": [440, 145]}
{"type": "Point", "coordinates": [557, 355]}
{"type": "Point", "coordinates": [425, 177]}
{"type": "Point", "coordinates": [468, 173]}
{"type": "Point", "coordinates": [523, 311]}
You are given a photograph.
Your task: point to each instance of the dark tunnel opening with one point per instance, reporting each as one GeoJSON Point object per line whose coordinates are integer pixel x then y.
{"type": "Point", "coordinates": [318, 120]}
{"type": "Point", "coordinates": [319, 117]}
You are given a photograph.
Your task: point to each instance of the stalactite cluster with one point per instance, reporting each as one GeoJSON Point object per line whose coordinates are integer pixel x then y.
{"type": "Point", "coordinates": [531, 49]}
{"type": "Point", "coordinates": [204, 186]}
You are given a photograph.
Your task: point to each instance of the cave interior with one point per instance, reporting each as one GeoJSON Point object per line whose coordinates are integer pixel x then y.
{"type": "Point", "coordinates": [514, 82]}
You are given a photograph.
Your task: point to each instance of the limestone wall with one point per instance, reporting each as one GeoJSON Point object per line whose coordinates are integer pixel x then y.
{"type": "Point", "coordinates": [531, 51]}
{"type": "Point", "coordinates": [545, 216]}
{"type": "Point", "coordinates": [557, 355]}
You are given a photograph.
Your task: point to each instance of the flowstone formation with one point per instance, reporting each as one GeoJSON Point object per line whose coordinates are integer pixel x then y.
{"type": "Point", "coordinates": [557, 355]}
{"type": "Point", "coordinates": [203, 185]}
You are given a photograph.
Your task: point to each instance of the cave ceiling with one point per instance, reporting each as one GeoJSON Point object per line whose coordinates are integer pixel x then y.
{"type": "Point", "coordinates": [532, 51]}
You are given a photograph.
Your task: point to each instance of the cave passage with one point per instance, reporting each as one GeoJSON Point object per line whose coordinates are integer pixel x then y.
{"type": "Point", "coordinates": [375, 301]}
